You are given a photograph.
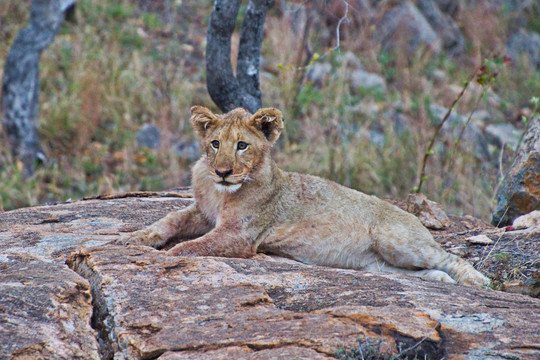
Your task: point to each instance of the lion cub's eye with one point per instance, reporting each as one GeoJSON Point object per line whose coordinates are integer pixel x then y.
{"type": "Point", "coordinates": [215, 144]}
{"type": "Point", "coordinates": [241, 145]}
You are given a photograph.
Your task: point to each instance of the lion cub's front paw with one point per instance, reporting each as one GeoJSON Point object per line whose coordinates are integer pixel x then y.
{"type": "Point", "coordinates": [134, 238]}
{"type": "Point", "coordinates": [141, 237]}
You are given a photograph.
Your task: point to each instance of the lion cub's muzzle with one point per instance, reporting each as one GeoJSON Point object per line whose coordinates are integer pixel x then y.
{"type": "Point", "coordinates": [223, 173]}
{"type": "Point", "coordinates": [225, 176]}
{"type": "Point", "coordinates": [227, 183]}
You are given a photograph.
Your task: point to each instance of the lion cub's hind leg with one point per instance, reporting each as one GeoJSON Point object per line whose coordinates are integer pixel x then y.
{"type": "Point", "coordinates": [436, 275]}
{"type": "Point", "coordinates": [411, 247]}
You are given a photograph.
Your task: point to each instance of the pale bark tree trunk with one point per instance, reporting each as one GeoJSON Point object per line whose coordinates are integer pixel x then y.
{"type": "Point", "coordinates": [20, 84]}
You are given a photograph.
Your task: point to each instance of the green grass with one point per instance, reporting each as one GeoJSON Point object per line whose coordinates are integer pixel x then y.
{"type": "Point", "coordinates": [366, 350]}
{"type": "Point", "coordinates": [503, 257]}
{"type": "Point", "coordinates": [117, 68]}
{"type": "Point", "coordinates": [374, 349]}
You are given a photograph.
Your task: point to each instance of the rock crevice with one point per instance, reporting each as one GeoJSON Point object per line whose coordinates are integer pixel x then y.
{"type": "Point", "coordinates": [101, 320]}
{"type": "Point", "coordinates": [45, 311]}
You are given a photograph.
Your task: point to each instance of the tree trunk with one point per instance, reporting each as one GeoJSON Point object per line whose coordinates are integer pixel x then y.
{"type": "Point", "coordinates": [226, 90]}
{"type": "Point", "coordinates": [20, 85]}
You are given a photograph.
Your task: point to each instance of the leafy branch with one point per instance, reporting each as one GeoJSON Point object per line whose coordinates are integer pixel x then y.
{"type": "Point", "coordinates": [485, 75]}
{"type": "Point", "coordinates": [429, 150]}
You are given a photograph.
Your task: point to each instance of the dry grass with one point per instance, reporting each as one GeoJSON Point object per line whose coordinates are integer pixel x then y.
{"type": "Point", "coordinates": [122, 65]}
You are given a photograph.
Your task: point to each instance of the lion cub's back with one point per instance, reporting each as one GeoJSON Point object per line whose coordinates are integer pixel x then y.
{"type": "Point", "coordinates": [321, 222]}
{"type": "Point", "coordinates": [311, 198]}
{"type": "Point", "coordinates": [308, 195]}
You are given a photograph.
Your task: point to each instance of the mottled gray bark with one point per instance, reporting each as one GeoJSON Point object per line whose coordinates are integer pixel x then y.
{"type": "Point", "coordinates": [20, 84]}
{"type": "Point", "coordinates": [226, 90]}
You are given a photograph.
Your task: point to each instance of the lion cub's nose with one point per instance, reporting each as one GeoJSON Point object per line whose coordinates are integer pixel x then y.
{"type": "Point", "coordinates": [223, 173]}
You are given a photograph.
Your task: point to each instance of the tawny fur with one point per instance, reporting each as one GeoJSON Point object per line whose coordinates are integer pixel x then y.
{"type": "Point", "coordinates": [256, 207]}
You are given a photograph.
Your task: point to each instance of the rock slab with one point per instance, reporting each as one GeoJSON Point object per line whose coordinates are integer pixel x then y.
{"type": "Point", "coordinates": [520, 191]}
{"type": "Point", "coordinates": [112, 302]}
{"type": "Point", "coordinates": [152, 305]}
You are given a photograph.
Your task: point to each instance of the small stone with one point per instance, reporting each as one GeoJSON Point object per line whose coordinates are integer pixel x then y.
{"type": "Point", "coordinates": [319, 72]}
{"type": "Point", "coordinates": [479, 240]}
{"type": "Point", "coordinates": [525, 45]}
{"type": "Point", "coordinates": [188, 150]}
{"type": "Point", "coordinates": [148, 137]}
{"type": "Point", "coordinates": [439, 76]}
{"type": "Point", "coordinates": [530, 220]}
{"type": "Point", "coordinates": [472, 137]}
{"type": "Point", "coordinates": [481, 117]}
{"type": "Point", "coordinates": [369, 107]}
{"type": "Point", "coordinates": [361, 79]}
{"type": "Point", "coordinates": [503, 134]}
{"type": "Point", "coordinates": [352, 61]}
{"type": "Point", "coordinates": [430, 213]}
{"type": "Point", "coordinates": [378, 138]}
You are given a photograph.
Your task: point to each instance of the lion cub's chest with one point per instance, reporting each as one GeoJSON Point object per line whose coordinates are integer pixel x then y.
{"type": "Point", "coordinates": [209, 201]}
{"type": "Point", "coordinates": [211, 204]}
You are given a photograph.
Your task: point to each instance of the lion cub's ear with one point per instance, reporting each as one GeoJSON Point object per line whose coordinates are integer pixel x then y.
{"type": "Point", "coordinates": [203, 119]}
{"type": "Point", "coordinates": [269, 121]}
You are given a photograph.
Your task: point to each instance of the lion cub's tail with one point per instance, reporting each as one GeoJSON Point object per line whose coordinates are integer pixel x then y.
{"type": "Point", "coordinates": [463, 272]}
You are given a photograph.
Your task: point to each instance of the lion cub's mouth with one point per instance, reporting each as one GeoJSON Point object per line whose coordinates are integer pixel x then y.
{"type": "Point", "coordinates": [225, 186]}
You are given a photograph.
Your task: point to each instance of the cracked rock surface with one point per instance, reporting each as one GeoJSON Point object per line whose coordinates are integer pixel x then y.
{"type": "Point", "coordinates": [65, 293]}
{"type": "Point", "coordinates": [44, 311]}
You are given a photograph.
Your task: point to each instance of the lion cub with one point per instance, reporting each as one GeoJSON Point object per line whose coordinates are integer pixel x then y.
{"type": "Point", "coordinates": [245, 204]}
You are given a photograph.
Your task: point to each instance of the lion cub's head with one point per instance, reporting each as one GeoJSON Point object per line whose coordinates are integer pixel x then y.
{"type": "Point", "coordinates": [235, 143]}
